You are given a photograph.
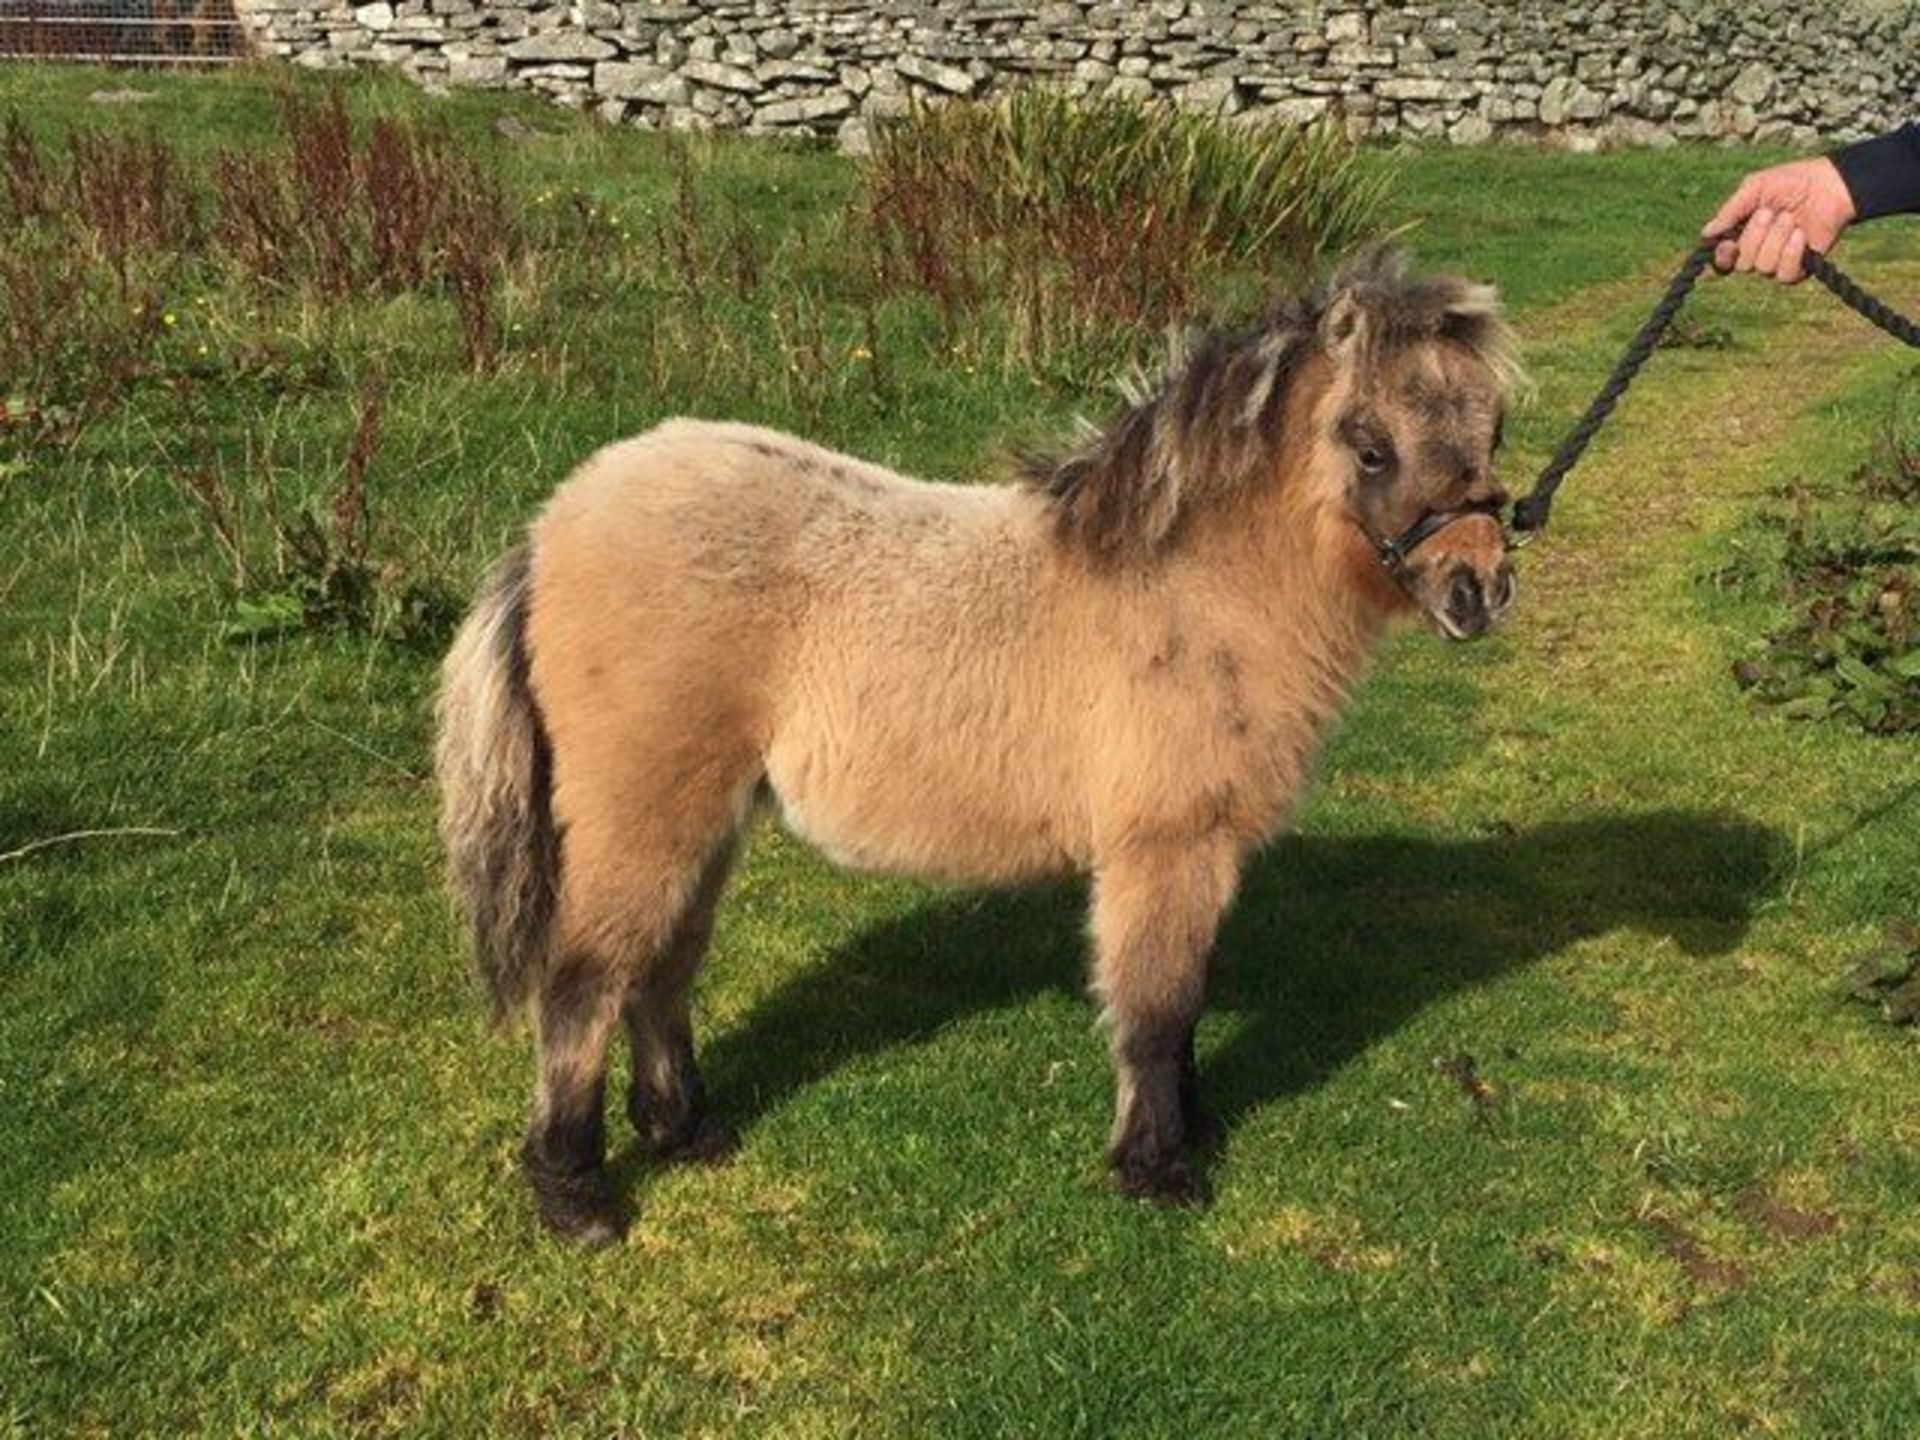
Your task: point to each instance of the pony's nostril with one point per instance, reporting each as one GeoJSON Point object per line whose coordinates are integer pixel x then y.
{"type": "Point", "coordinates": [1463, 613]}
{"type": "Point", "coordinates": [1463, 596]}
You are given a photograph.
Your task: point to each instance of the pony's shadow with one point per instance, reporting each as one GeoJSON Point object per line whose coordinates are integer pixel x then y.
{"type": "Point", "coordinates": [1334, 943]}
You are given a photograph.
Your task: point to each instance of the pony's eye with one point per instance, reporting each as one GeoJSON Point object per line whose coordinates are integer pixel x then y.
{"type": "Point", "coordinates": [1374, 458]}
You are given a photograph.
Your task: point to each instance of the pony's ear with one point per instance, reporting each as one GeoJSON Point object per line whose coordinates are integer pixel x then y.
{"type": "Point", "coordinates": [1343, 327]}
{"type": "Point", "coordinates": [1471, 315]}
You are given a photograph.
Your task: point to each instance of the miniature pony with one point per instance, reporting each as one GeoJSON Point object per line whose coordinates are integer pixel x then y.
{"type": "Point", "coordinates": [1121, 665]}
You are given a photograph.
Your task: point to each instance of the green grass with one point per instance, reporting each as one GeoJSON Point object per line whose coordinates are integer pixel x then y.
{"type": "Point", "coordinates": [258, 1162]}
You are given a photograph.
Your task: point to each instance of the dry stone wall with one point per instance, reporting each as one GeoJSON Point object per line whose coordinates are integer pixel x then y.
{"type": "Point", "coordinates": [1632, 71]}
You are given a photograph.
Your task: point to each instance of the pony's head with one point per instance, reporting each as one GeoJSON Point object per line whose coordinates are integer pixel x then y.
{"type": "Point", "coordinates": [1406, 432]}
{"type": "Point", "coordinates": [1363, 415]}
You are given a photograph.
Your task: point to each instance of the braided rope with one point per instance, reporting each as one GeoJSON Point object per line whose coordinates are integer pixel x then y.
{"type": "Point", "coordinates": [1848, 292]}
{"type": "Point", "coordinates": [1530, 512]}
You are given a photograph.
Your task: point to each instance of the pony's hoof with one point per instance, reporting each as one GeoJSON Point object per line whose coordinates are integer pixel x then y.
{"type": "Point", "coordinates": [693, 1135]}
{"type": "Point", "coordinates": [712, 1141]}
{"type": "Point", "coordinates": [1165, 1182]}
{"type": "Point", "coordinates": [578, 1208]}
{"type": "Point", "coordinates": [707, 1142]}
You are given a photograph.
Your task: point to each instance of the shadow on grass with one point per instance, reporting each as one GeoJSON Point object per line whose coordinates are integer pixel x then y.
{"type": "Point", "coordinates": [1335, 943]}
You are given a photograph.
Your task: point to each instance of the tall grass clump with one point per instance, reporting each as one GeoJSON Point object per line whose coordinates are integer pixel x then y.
{"type": "Point", "coordinates": [92, 236]}
{"type": "Point", "coordinates": [398, 208]}
{"type": "Point", "coordinates": [1080, 216]}
{"type": "Point", "coordinates": [105, 236]}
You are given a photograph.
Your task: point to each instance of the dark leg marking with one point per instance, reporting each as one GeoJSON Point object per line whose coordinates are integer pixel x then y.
{"type": "Point", "coordinates": [667, 1100]}
{"type": "Point", "coordinates": [1203, 1127]}
{"type": "Point", "coordinates": [564, 1153]}
{"type": "Point", "coordinates": [563, 1160]}
{"type": "Point", "coordinates": [1149, 1151]}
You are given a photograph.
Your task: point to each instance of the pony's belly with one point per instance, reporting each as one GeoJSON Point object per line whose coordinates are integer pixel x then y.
{"type": "Point", "coordinates": [911, 824]}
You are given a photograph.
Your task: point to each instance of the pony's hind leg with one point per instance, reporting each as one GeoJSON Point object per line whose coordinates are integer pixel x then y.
{"type": "Point", "coordinates": [1155, 912]}
{"type": "Point", "coordinates": [666, 1099]}
{"type": "Point", "coordinates": [626, 902]}
{"type": "Point", "coordinates": [565, 1148]}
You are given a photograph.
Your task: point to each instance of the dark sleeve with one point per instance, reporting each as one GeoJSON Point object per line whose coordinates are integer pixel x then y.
{"type": "Point", "coordinates": [1883, 174]}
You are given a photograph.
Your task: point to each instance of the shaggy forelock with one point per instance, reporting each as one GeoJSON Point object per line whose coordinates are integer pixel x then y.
{"type": "Point", "coordinates": [1398, 309]}
{"type": "Point", "coordinates": [1210, 425]}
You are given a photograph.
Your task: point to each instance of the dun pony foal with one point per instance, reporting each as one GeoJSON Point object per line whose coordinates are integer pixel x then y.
{"type": "Point", "coordinates": [1121, 666]}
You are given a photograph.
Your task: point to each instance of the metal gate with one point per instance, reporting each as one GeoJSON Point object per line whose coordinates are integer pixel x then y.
{"type": "Point", "coordinates": [142, 32]}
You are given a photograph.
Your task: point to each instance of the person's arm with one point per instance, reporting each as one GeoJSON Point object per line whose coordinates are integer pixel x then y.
{"type": "Point", "coordinates": [1883, 174]}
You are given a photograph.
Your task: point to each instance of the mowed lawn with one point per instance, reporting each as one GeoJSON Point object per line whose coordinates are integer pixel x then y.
{"type": "Point", "coordinates": [1547, 1112]}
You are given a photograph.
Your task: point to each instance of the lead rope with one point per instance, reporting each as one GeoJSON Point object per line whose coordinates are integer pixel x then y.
{"type": "Point", "coordinates": [1530, 512]}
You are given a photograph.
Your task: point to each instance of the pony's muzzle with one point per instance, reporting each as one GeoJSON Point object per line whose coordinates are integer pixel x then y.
{"type": "Point", "coordinates": [1471, 605]}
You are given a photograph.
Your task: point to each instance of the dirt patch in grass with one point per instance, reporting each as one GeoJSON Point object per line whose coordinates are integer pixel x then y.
{"type": "Point", "coordinates": [1684, 1248]}
{"type": "Point", "coordinates": [1775, 1217]}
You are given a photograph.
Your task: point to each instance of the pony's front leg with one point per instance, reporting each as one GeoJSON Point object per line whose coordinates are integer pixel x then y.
{"type": "Point", "coordinates": [1156, 908]}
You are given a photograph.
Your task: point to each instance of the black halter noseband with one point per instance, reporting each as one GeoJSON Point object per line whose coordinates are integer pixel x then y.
{"type": "Point", "coordinates": [1396, 552]}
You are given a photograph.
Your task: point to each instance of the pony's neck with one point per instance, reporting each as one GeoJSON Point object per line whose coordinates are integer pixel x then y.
{"type": "Point", "coordinates": [1312, 597]}
{"type": "Point", "coordinates": [1345, 603]}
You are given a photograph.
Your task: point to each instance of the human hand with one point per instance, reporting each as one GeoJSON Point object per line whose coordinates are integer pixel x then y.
{"type": "Point", "coordinates": [1787, 208]}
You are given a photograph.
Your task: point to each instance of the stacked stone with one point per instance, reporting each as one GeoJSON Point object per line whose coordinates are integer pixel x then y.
{"type": "Point", "coordinates": [1646, 72]}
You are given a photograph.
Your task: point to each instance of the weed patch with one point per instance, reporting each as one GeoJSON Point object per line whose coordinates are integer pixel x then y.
{"type": "Point", "coordinates": [397, 209]}
{"type": "Point", "coordinates": [328, 567]}
{"type": "Point", "coordinates": [1848, 566]}
{"type": "Point", "coordinates": [1888, 976]}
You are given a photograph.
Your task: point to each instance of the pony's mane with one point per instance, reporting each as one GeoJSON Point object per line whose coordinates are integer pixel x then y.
{"type": "Point", "coordinates": [1210, 424]}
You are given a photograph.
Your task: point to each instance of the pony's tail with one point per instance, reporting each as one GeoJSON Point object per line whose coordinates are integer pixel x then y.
{"type": "Point", "coordinates": [494, 767]}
